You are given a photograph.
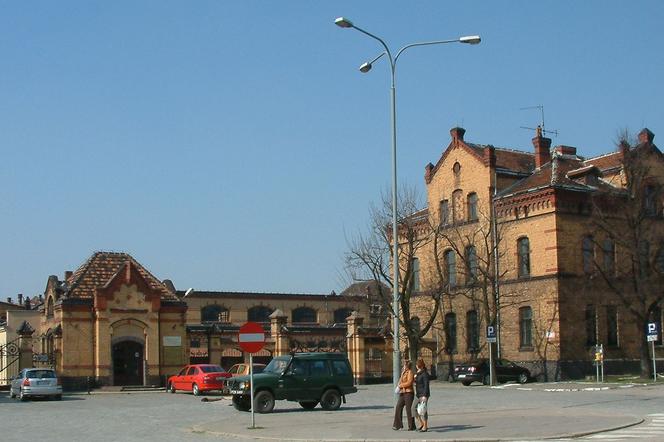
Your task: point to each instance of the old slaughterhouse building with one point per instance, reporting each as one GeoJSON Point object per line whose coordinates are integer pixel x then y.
{"type": "Point", "coordinates": [577, 245]}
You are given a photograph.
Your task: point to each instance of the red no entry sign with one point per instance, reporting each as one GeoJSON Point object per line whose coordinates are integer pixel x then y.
{"type": "Point", "coordinates": [251, 337]}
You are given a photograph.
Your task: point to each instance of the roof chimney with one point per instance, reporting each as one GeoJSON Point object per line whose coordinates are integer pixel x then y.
{"type": "Point", "coordinates": [428, 170]}
{"type": "Point", "coordinates": [542, 148]}
{"type": "Point", "coordinates": [645, 136]}
{"type": "Point", "coordinates": [68, 274]}
{"type": "Point", "coordinates": [565, 150]}
{"type": "Point", "coordinates": [9, 300]}
{"type": "Point", "coordinates": [20, 298]}
{"type": "Point", "coordinates": [457, 133]}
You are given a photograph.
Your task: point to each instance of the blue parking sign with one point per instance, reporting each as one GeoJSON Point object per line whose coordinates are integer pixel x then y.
{"type": "Point", "coordinates": [653, 331]}
{"type": "Point", "coordinates": [491, 333]}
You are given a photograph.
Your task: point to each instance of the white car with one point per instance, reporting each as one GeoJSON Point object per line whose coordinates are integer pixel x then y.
{"type": "Point", "coordinates": [36, 382]}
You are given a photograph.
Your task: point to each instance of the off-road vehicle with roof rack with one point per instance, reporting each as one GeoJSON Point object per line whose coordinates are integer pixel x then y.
{"type": "Point", "coordinates": [307, 378]}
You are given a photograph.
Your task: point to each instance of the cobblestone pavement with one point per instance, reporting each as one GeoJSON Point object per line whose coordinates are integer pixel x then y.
{"type": "Point", "coordinates": [507, 412]}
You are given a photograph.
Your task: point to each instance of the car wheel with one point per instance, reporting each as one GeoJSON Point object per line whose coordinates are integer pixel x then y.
{"type": "Point", "coordinates": [487, 379]}
{"type": "Point", "coordinates": [195, 389]}
{"type": "Point", "coordinates": [171, 388]}
{"type": "Point", "coordinates": [308, 405]}
{"type": "Point", "coordinates": [21, 396]}
{"type": "Point", "coordinates": [466, 383]}
{"type": "Point", "coordinates": [263, 402]}
{"type": "Point", "coordinates": [523, 378]}
{"type": "Point", "coordinates": [241, 404]}
{"type": "Point", "coordinates": [331, 400]}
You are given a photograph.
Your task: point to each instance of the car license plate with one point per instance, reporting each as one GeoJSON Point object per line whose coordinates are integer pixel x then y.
{"type": "Point", "coordinates": [461, 376]}
{"type": "Point", "coordinates": [236, 392]}
{"type": "Point", "coordinates": [42, 382]}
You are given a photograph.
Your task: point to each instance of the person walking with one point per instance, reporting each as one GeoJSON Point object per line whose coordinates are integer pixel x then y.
{"type": "Point", "coordinates": [406, 396]}
{"type": "Point", "coordinates": [422, 392]}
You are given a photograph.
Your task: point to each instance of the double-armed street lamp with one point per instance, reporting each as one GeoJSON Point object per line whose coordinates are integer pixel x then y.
{"type": "Point", "coordinates": [364, 68]}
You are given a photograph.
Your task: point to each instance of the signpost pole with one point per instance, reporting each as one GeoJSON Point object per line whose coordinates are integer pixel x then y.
{"type": "Point", "coordinates": [251, 383]}
{"type": "Point", "coordinates": [654, 364]}
{"type": "Point", "coordinates": [490, 364]}
{"type": "Point", "coordinates": [251, 338]}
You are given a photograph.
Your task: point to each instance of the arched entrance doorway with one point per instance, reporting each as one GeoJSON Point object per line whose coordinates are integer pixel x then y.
{"type": "Point", "coordinates": [127, 363]}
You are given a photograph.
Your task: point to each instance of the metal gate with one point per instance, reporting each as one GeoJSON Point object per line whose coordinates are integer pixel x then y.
{"type": "Point", "coordinates": [10, 354]}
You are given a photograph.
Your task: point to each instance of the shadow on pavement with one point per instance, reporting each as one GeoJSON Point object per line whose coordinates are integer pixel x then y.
{"type": "Point", "coordinates": [342, 409]}
{"type": "Point", "coordinates": [446, 428]}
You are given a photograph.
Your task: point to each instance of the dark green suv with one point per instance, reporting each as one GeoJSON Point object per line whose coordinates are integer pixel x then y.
{"type": "Point", "coordinates": [308, 378]}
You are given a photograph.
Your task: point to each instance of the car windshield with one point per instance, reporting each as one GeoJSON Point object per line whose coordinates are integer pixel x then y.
{"type": "Point", "coordinates": [276, 366]}
{"type": "Point", "coordinates": [211, 369]}
{"type": "Point", "coordinates": [41, 374]}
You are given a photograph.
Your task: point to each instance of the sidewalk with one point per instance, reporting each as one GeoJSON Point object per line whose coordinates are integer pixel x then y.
{"type": "Point", "coordinates": [370, 422]}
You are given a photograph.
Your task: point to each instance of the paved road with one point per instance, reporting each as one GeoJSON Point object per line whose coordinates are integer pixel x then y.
{"type": "Point", "coordinates": [510, 412]}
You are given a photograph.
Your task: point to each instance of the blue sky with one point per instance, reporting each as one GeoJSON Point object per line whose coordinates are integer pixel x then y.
{"type": "Point", "coordinates": [233, 145]}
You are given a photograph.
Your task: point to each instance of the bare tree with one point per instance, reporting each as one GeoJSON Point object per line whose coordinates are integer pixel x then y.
{"type": "Point", "coordinates": [631, 217]}
{"type": "Point", "coordinates": [370, 258]}
{"type": "Point", "coordinates": [476, 246]}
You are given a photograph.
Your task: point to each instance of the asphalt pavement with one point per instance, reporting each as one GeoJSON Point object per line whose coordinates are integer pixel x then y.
{"type": "Point", "coordinates": [505, 412]}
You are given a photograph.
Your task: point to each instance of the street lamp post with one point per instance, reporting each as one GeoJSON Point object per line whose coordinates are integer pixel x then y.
{"type": "Point", "coordinates": [364, 68]}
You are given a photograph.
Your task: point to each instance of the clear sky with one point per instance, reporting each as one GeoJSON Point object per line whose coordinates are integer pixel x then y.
{"type": "Point", "coordinates": [233, 145]}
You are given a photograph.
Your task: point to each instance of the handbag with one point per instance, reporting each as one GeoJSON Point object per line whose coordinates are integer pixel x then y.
{"type": "Point", "coordinates": [397, 390]}
{"type": "Point", "coordinates": [422, 408]}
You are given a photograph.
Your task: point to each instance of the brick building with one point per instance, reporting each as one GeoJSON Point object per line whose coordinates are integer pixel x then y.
{"type": "Point", "coordinates": [540, 209]}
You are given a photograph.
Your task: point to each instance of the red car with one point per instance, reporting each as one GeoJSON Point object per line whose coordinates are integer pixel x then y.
{"type": "Point", "coordinates": [198, 379]}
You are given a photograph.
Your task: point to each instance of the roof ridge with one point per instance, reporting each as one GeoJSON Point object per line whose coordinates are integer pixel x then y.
{"type": "Point", "coordinates": [603, 155]}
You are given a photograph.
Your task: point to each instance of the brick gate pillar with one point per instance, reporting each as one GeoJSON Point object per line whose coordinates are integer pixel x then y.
{"type": "Point", "coordinates": [277, 324]}
{"type": "Point", "coordinates": [355, 344]}
{"type": "Point", "coordinates": [25, 332]}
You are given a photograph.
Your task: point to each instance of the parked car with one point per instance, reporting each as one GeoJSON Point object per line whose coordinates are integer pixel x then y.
{"type": "Point", "coordinates": [243, 369]}
{"type": "Point", "coordinates": [307, 378]}
{"type": "Point", "coordinates": [32, 382]}
{"type": "Point", "coordinates": [198, 378]}
{"type": "Point", "coordinates": [478, 371]}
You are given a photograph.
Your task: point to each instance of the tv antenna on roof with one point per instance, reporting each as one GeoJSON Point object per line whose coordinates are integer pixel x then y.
{"type": "Point", "coordinates": [541, 125]}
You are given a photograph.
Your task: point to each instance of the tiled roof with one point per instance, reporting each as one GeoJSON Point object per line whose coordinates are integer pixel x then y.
{"type": "Point", "coordinates": [542, 178]}
{"type": "Point", "coordinates": [515, 160]}
{"type": "Point", "coordinates": [607, 161]}
{"type": "Point", "coordinates": [229, 294]}
{"type": "Point", "coordinates": [97, 271]}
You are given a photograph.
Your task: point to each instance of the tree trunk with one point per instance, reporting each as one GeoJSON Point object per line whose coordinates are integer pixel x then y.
{"type": "Point", "coordinates": [646, 368]}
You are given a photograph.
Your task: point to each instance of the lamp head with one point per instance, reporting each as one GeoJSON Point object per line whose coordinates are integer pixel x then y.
{"type": "Point", "coordinates": [343, 22]}
{"type": "Point", "coordinates": [470, 39]}
{"type": "Point", "coordinates": [365, 67]}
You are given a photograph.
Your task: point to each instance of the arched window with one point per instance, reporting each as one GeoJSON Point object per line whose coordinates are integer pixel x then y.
{"type": "Point", "coordinates": [644, 258]}
{"type": "Point", "coordinates": [260, 313]}
{"type": "Point", "coordinates": [588, 252]}
{"type": "Point", "coordinates": [49, 307]}
{"type": "Point", "coordinates": [415, 274]}
{"type": "Point", "coordinates": [609, 250]}
{"type": "Point", "coordinates": [304, 315]}
{"type": "Point", "coordinates": [444, 212]}
{"type": "Point", "coordinates": [450, 267]}
{"type": "Point", "coordinates": [472, 331]}
{"type": "Point", "coordinates": [526, 327]}
{"type": "Point", "coordinates": [591, 325]}
{"type": "Point", "coordinates": [471, 265]}
{"type": "Point", "coordinates": [457, 206]}
{"type": "Point", "coordinates": [214, 313]}
{"type": "Point", "coordinates": [341, 314]}
{"type": "Point", "coordinates": [450, 333]}
{"type": "Point", "coordinates": [472, 206]}
{"type": "Point", "coordinates": [523, 250]}
{"type": "Point", "coordinates": [649, 202]}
